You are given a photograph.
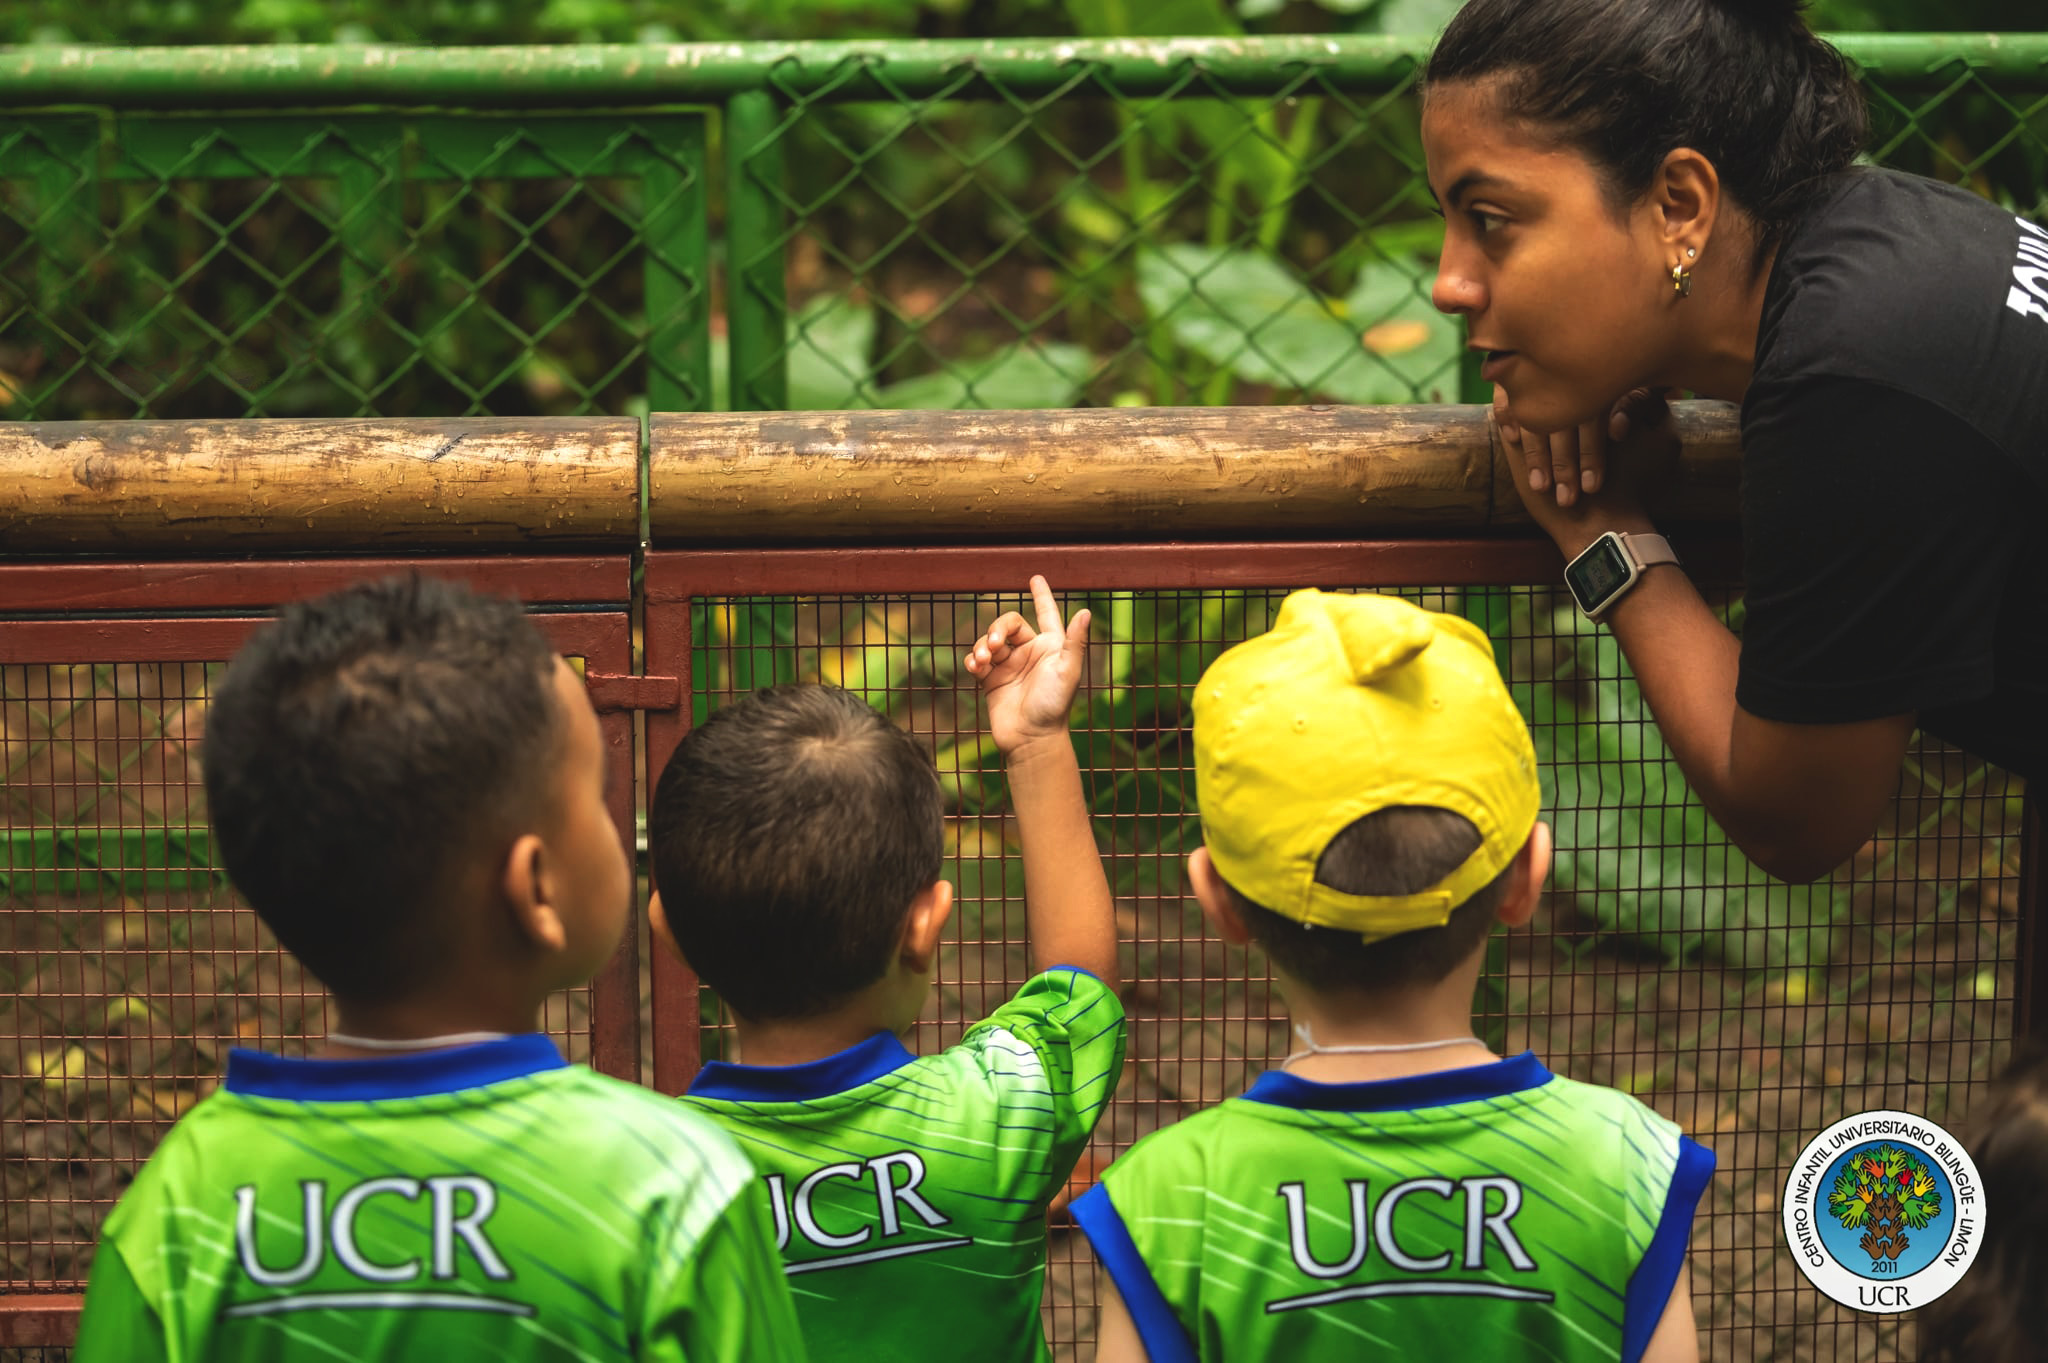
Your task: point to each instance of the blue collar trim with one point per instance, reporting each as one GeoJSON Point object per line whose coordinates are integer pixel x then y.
{"type": "Point", "coordinates": [1493, 1080]}
{"type": "Point", "coordinates": [259, 1074]}
{"type": "Point", "coordinates": [880, 1054]}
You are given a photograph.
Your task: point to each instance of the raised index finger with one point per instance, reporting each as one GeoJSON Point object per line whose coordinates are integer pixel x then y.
{"type": "Point", "coordinates": [1048, 609]}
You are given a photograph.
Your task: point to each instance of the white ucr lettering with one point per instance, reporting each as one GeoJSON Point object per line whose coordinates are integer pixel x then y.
{"type": "Point", "coordinates": [345, 1210]}
{"type": "Point", "coordinates": [1383, 1224]}
{"type": "Point", "coordinates": [1297, 1230]}
{"type": "Point", "coordinates": [1479, 1223]}
{"type": "Point", "coordinates": [312, 1232]}
{"type": "Point", "coordinates": [807, 1224]}
{"type": "Point", "coordinates": [469, 1228]}
{"type": "Point", "coordinates": [889, 1194]}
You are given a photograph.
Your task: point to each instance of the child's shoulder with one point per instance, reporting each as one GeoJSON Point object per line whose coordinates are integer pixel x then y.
{"type": "Point", "coordinates": [565, 1120]}
{"type": "Point", "coordinates": [1063, 1017]}
{"type": "Point", "coordinates": [1630, 1120]}
{"type": "Point", "coordinates": [638, 1122]}
{"type": "Point", "coordinates": [1064, 1000]}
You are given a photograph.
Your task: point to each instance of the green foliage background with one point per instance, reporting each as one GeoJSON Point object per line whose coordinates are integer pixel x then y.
{"type": "Point", "coordinates": [559, 21]}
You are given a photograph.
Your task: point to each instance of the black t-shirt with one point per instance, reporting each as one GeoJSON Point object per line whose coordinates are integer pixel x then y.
{"type": "Point", "coordinates": [1895, 471]}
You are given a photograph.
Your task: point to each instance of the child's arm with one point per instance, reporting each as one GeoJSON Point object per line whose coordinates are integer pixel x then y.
{"type": "Point", "coordinates": [1029, 679]}
{"type": "Point", "coordinates": [1116, 1334]}
{"type": "Point", "coordinates": [1677, 1337]}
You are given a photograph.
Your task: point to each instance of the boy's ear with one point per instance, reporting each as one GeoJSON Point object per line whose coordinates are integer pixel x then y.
{"type": "Point", "coordinates": [923, 925]}
{"type": "Point", "coordinates": [657, 923]}
{"type": "Point", "coordinates": [1214, 897]}
{"type": "Point", "coordinates": [1527, 876]}
{"type": "Point", "coordinates": [527, 883]}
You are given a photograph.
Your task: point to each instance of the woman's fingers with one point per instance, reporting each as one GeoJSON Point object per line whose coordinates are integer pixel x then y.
{"type": "Point", "coordinates": [1564, 465]}
{"type": "Point", "coordinates": [1511, 440]}
{"type": "Point", "coordinates": [1592, 458]}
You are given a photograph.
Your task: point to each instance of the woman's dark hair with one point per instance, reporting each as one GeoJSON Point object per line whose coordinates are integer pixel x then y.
{"type": "Point", "coordinates": [789, 834]}
{"type": "Point", "coordinates": [363, 752]}
{"type": "Point", "coordinates": [1993, 1314]}
{"type": "Point", "coordinates": [1744, 82]}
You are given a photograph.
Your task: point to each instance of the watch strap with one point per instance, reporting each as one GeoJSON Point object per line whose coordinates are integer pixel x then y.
{"type": "Point", "coordinates": [1648, 550]}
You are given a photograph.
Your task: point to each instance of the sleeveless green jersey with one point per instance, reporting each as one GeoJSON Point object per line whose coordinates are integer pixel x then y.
{"type": "Point", "coordinates": [1520, 1213]}
{"type": "Point", "coordinates": [909, 1194]}
{"type": "Point", "coordinates": [485, 1202]}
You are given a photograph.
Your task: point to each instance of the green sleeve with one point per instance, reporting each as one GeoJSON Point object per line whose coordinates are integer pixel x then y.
{"type": "Point", "coordinates": [1073, 1025]}
{"type": "Point", "coordinates": [726, 1297]}
{"type": "Point", "coordinates": [119, 1325]}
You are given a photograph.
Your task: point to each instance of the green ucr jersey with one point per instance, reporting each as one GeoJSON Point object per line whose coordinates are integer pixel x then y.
{"type": "Point", "coordinates": [910, 1194]}
{"type": "Point", "coordinates": [486, 1202]}
{"type": "Point", "coordinates": [1503, 1208]}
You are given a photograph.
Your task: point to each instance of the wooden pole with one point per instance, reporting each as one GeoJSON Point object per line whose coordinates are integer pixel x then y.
{"type": "Point", "coordinates": [1156, 474]}
{"type": "Point", "coordinates": [214, 486]}
{"type": "Point", "coordinates": [1116, 473]}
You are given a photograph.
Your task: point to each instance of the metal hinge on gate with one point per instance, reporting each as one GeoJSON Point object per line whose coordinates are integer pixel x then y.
{"type": "Point", "coordinates": [611, 692]}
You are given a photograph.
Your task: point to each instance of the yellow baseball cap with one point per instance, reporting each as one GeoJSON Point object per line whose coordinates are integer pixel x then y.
{"type": "Point", "coordinates": [1347, 706]}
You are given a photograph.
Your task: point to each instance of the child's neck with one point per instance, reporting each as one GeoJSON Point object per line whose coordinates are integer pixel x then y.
{"type": "Point", "coordinates": [799, 1041]}
{"type": "Point", "coordinates": [455, 1020]}
{"type": "Point", "coordinates": [1411, 1017]}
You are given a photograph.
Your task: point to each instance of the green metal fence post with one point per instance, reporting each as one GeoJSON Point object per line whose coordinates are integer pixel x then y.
{"type": "Point", "coordinates": [756, 305]}
{"type": "Point", "coordinates": [677, 232]}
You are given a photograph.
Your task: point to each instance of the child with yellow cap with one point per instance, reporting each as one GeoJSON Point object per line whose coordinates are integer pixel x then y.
{"type": "Point", "coordinates": [1369, 807]}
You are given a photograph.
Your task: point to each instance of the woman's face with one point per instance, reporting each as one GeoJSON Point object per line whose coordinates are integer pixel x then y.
{"type": "Point", "coordinates": [1572, 302]}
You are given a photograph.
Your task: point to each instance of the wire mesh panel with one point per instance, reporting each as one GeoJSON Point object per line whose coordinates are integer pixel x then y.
{"type": "Point", "coordinates": [983, 245]}
{"type": "Point", "coordinates": [1662, 963]}
{"type": "Point", "coordinates": [351, 265]}
{"type": "Point", "coordinates": [128, 965]}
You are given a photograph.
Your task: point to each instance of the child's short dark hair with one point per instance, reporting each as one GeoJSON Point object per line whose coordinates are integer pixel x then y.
{"type": "Point", "coordinates": [1400, 850]}
{"type": "Point", "coordinates": [1989, 1317]}
{"type": "Point", "coordinates": [789, 834]}
{"type": "Point", "coordinates": [361, 751]}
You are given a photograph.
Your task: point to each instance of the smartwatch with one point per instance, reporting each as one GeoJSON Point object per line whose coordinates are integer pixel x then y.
{"type": "Point", "coordinates": [1610, 565]}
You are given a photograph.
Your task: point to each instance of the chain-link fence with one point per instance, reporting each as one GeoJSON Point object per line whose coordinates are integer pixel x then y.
{"type": "Point", "coordinates": [896, 225]}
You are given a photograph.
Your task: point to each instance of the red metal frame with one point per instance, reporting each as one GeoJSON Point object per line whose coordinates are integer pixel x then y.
{"type": "Point", "coordinates": [601, 637]}
{"type": "Point", "coordinates": [234, 584]}
{"type": "Point", "coordinates": [1119, 567]}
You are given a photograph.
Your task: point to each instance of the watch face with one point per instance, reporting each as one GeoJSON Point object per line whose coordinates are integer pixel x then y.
{"type": "Point", "coordinates": [1598, 574]}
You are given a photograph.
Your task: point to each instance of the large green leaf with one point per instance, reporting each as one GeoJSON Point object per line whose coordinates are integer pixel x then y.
{"type": "Point", "coordinates": [1245, 311]}
{"type": "Point", "coordinates": [830, 340]}
{"type": "Point", "coordinates": [1020, 375]}
{"type": "Point", "coordinates": [1428, 17]}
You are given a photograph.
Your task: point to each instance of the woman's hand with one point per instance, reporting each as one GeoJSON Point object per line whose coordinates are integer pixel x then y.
{"type": "Point", "coordinates": [1579, 484]}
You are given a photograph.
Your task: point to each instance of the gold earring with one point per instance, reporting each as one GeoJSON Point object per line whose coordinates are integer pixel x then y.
{"type": "Point", "coordinates": [1681, 281]}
